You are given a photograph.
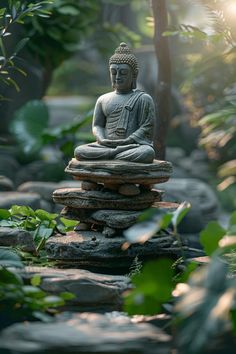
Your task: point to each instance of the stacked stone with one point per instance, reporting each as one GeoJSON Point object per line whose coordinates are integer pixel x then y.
{"type": "Point", "coordinates": [113, 193]}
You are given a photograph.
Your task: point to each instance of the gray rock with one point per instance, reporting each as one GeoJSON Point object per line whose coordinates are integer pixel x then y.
{"type": "Point", "coordinates": [105, 199]}
{"type": "Point", "coordinates": [17, 238]}
{"type": "Point", "coordinates": [7, 199]}
{"type": "Point", "coordinates": [91, 290]}
{"type": "Point", "coordinates": [86, 333]}
{"type": "Point", "coordinates": [118, 219]}
{"type": "Point", "coordinates": [8, 166]}
{"type": "Point", "coordinates": [114, 171]}
{"type": "Point", "coordinates": [45, 189]}
{"type": "Point", "coordinates": [92, 249]}
{"type": "Point", "coordinates": [129, 189]}
{"type": "Point", "coordinates": [205, 206]}
{"type": "Point", "coordinates": [6, 184]}
{"type": "Point", "coordinates": [40, 171]}
{"type": "Point", "coordinates": [89, 186]}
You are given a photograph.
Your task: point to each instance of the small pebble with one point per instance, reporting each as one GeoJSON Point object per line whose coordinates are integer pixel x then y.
{"type": "Point", "coordinates": [129, 190]}
{"type": "Point", "coordinates": [89, 186]}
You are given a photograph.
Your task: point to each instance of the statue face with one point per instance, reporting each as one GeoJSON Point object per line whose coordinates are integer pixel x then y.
{"type": "Point", "coordinates": [121, 77]}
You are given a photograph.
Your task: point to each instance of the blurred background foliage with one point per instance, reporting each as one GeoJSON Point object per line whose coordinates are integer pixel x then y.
{"type": "Point", "coordinates": [64, 50]}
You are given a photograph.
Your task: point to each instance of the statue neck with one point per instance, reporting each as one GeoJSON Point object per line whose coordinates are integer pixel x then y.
{"type": "Point", "coordinates": [123, 92]}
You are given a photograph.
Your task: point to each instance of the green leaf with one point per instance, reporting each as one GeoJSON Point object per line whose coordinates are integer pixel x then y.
{"type": "Point", "coordinates": [211, 236]}
{"type": "Point", "coordinates": [232, 220]}
{"type": "Point", "coordinates": [69, 224]}
{"type": "Point", "coordinates": [2, 11]}
{"type": "Point", "coordinates": [45, 215]}
{"type": "Point", "coordinates": [180, 213]}
{"type": "Point", "coordinates": [42, 232]}
{"type": "Point", "coordinates": [233, 317]}
{"type": "Point", "coordinates": [21, 210]}
{"type": "Point", "coordinates": [33, 291]}
{"type": "Point", "coordinates": [53, 301]}
{"type": "Point", "coordinates": [8, 277]}
{"type": "Point", "coordinates": [68, 10]}
{"type": "Point", "coordinates": [28, 125]}
{"type": "Point", "coordinates": [4, 214]}
{"type": "Point", "coordinates": [2, 47]}
{"type": "Point", "coordinates": [9, 258]}
{"type": "Point", "coordinates": [143, 231]}
{"type": "Point", "coordinates": [20, 45]}
{"type": "Point", "coordinates": [35, 280]}
{"type": "Point", "coordinates": [8, 223]}
{"type": "Point", "coordinates": [67, 296]}
{"type": "Point", "coordinates": [13, 83]}
{"type": "Point", "coordinates": [153, 287]}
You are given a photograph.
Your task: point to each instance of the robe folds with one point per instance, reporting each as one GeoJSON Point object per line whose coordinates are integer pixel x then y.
{"type": "Point", "coordinates": [131, 118]}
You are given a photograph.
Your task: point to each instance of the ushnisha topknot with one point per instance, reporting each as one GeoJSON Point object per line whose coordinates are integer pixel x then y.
{"type": "Point", "coordinates": [123, 55]}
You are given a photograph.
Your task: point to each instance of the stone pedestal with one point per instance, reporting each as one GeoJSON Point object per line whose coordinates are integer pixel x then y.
{"type": "Point", "coordinates": [113, 194]}
{"type": "Point", "coordinates": [112, 197]}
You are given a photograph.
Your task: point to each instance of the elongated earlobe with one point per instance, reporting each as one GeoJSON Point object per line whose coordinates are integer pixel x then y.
{"type": "Point", "coordinates": [134, 83]}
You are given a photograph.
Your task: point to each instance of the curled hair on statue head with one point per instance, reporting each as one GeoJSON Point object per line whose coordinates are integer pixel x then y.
{"type": "Point", "coordinates": [123, 55]}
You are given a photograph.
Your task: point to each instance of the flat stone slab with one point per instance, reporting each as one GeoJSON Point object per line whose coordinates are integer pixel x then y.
{"type": "Point", "coordinates": [92, 249]}
{"type": "Point", "coordinates": [117, 219]}
{"type": "Point", "coordinates": [91, 290]}
{"type": "Point", "coordinates": [17, 238]}
{"type": "Point", "coordinates": [45, 189]}
{"type": "Point", "coordinates": [113, 171]}
{"type": "Point", "coordinates": [104, 199]}
{"type": "Point", "coordinates": [86, 333]}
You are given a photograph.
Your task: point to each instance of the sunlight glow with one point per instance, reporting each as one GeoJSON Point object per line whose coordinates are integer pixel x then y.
{"type": "Point", "coordinates": [231, 8]}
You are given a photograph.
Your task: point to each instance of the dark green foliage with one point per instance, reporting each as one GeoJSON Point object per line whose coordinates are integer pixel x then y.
{"type": "Point", "coordinates": [153, 287]}
{"type": "Point", "coordinates": [15, 13]}
{"type": "Point", "coordinates": [205, 307]}
{"type": "Point", "coordinates": [68, 135]}
{"type": "Point", "coordinates": [40, 222]}
{"type": "Point", "coordinates": [55, 38]}
{"type": "Point", "coordinates": [211, 236]}
{"type": "Point", "coordinates": [30, 128]}
{"type": "Point", "coordinates": [19, 302]}
{"type": "Point", "coordinates": [28, 125]}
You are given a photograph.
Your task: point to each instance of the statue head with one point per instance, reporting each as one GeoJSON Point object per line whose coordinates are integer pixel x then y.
{"type": "Point", "coordinates": [126, 61]}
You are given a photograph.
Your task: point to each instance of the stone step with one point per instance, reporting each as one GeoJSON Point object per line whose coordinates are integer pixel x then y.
{"type": "Point", "coordinates": [105, 199]}
{"type": "Point", "coordinates": [118, 171]}
{"type": "Point", "coordinates": [91, 250]}
{"type": "Point", "coordinates": [86, 333]}
{"type": "Point", "coordinates": [92, 290]}
{"type": "Point", "coordinates": [117, 219]}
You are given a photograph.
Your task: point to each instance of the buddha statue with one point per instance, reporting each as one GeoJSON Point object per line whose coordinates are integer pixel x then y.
{"type": "Point", "coordinates": [124, 118]}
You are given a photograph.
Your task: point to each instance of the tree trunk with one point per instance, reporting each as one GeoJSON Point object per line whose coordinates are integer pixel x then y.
{"type": "Point", "coordinates": [164, 77]}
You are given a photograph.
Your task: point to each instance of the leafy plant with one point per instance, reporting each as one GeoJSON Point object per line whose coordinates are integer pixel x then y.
{"type": "Point", "coordinates": [16, 13]}
{"type": "Point", "coordinates": [153, 220]}
{"type": "Point", "coordinates": [33, 134]}
{"type": "Point", "coordinates": [28, 124]}
{"type": "Point", "coordinates": [153, 287]}
{"type": "Point", "coordinates": [203, 303]}
{"type": "Point", "coordinates": [205, 307]}
{"type": "Point", "coordinates": [41, 223]}
{"type": "Point", "coordinates": [19, 302]}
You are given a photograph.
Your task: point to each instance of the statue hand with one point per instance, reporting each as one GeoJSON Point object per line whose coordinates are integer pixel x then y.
{"type": "Point", "coordinates": [126, 141]}
{"type": "Point", "coordinates": [108, 142]}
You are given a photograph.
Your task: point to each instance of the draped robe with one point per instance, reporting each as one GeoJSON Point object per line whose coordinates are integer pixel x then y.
{"type": "Point", "coordinates": [124, 116]}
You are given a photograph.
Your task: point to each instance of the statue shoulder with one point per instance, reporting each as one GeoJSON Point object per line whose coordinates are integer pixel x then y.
{"type": "Point", "coordinates": [146, 98]}
{"type": "Point", "coordinates": [105, 97]}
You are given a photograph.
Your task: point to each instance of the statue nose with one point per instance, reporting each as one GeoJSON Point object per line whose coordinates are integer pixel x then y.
{"type": "Point", "coordinates": [117, 75]}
